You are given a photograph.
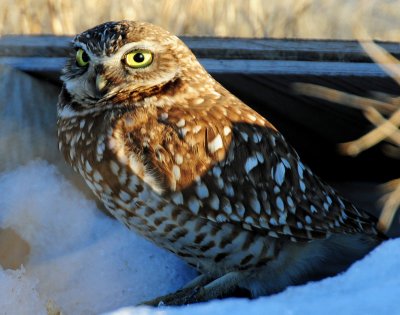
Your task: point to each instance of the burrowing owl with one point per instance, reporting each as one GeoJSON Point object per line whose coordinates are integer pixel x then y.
{"type": "Point", "coordinates": [183, 162]}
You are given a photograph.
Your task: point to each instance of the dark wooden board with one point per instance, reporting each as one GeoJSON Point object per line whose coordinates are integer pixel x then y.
{"type": "Point", "coordinates": [215, 48]}
{"type": "Point", "coordinates": [268, 67]}
{"type": "Point", "coordinates": [45, 56]}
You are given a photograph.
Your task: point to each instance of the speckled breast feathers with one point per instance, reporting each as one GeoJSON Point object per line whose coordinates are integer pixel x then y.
{"type": "Point", "coordinates": [179, 159]}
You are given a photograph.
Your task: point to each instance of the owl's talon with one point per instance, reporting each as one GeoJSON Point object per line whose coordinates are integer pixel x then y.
{"type": "Point", "coordinates": [196, 295]}
{"type": "Point", "coordinates": [181, 297]}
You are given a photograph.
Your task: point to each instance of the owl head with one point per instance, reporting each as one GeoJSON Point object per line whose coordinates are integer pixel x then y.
{"type": "Point", "coordinates": [124, 63]}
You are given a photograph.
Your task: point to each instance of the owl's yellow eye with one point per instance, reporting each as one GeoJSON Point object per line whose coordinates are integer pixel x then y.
{"type": "Point", "coordinates": [139, 58]}
{"type": "Point", "coordinates": [82, 58]}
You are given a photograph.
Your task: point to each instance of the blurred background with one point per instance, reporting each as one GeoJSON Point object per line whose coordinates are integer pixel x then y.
{"type": "Point", "coordinates": [322, 19]}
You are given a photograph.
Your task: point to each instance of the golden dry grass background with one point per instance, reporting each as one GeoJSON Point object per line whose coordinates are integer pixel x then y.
{"type": "Point", "coordinates": [243, 18]}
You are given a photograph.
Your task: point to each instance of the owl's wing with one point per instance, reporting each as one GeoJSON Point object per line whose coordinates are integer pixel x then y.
{"type": "Point", "coordinates": [241, 170]}
{"type": "Point", "coordinates": [266, 187]}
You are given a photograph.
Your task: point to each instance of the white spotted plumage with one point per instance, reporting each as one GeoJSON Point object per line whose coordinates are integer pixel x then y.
{"type": "Point", "coordinates": [215, 144]}
{"type": "Point", "coordinates": [251, 163]}
{"type": "Point", "coordinates": [180, 160]}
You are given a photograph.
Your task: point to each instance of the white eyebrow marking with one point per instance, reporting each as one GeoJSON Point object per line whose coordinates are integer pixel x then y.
{"type": "Point", "coordinates": [116, 57]}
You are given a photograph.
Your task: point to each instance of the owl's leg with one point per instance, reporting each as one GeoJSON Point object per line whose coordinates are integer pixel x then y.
{"type": "Point", "coordinates": [219, 288]}
{"type": "Point", "coordinates": [200, 290]}
{"type": "Point", "coordinates": [199, 281]}
{"type": "Point", "coordinates": [181, 296]}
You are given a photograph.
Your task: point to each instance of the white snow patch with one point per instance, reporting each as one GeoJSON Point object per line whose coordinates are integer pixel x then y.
{"type": "Point", "coordinates": [19, 294]}
{"type": "Point", "coordinates": [81, 259]}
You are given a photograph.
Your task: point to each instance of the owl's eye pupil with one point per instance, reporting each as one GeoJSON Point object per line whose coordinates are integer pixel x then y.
{"type": "Point", "coordinates": [85, 57]}
{"type": "Point", "coordinates": [138, 57]}
{"type": "Point", "coordinates": [82, 58]}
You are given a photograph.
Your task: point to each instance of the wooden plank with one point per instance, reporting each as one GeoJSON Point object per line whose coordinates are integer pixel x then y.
{"type": "Point", "coordinates": [282, 49]}
{"type": "Point", "coordinates": [35, 64]}
{"type": "Point", "coordinates": [215, 48]}
{"type": "Point", "coordinates": [34, 46]}
{"type": "Point", "coordinates": [46, 54]}
{"type": "Point", "coordinates": [305, 68]}
{"type": "Point", "coordinates": [265, 67]}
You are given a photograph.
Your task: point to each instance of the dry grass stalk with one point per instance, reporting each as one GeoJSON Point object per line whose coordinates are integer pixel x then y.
{"type": "Point", "coordinates": [344, 98]}
{"type": "Point", "coordinates": [391, 151]}
{"type": "Point", "coordinates": [389, 127]}
{"type": "Point", "coordinates": [379, 55]}
{"type": "Point", "coordinates": [375, 110]}
{"type": "Point", "coordinates": [391, 202]}
{"type": "Point", "coordinates": [384, 130]}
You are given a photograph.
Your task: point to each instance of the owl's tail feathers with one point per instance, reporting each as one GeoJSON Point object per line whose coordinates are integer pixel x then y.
{"type": "Point", "coordinates": [344, 249]}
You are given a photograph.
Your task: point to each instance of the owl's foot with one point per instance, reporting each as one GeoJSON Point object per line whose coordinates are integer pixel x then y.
{"type": "Point", "coordinates": [180, 297]}
{"type": "Point", "coordinates": [201, 289]}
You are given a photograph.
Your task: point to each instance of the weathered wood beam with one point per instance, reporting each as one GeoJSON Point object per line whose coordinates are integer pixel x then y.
{"type": "Point", "coordinates": [219, 55]}
{"type": "Point", "coordinates": [214, 66]}
{"type": "Point", "coordinates": [215, 48]}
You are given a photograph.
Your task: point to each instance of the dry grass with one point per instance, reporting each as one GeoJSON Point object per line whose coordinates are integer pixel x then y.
{"type": "Point", "coordinates": [251, 18]}
{"type": "Point", "coordinates": [383, 113]}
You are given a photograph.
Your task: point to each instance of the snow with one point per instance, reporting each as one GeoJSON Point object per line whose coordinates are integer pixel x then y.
{"type": "Point", "coordinates": [370, 286]}
{"type": "Point", "coordinates": [81, 259]}
{"type": "Point", "coordinates": [85, 262]}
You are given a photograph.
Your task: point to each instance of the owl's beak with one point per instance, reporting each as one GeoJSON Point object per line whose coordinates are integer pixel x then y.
{"type": "Point", "coordinates": [101, 83]}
